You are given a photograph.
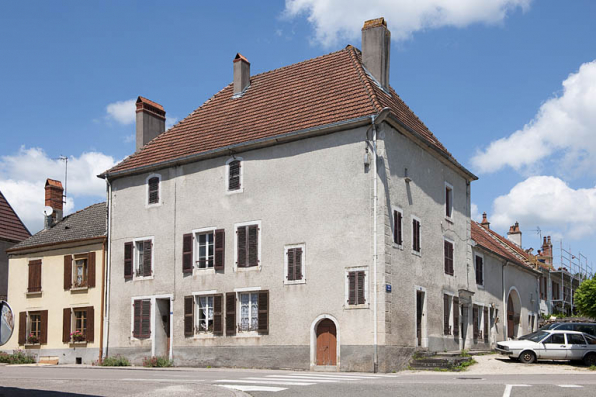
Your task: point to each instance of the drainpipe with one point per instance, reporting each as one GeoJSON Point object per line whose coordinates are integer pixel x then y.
{"type": "Point", "coordinates": [104, 353]}
{"type": "Point", "coordinates": [504, 308]}
{"type": "Point", "coordinates": [375, 198]}
{"type": "Point", "coordinates": [103, 289]}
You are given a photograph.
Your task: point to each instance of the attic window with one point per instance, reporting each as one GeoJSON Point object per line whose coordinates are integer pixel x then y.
{"type": "Point", "coordinates": [153, 190]}
{"type": "Point", "coordinates": [234, 175]}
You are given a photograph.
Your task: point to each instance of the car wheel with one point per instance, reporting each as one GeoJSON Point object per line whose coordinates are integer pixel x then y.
{"type": "Point", "coordinates": [590, 359]}
{"type": "Point", "coordinates": [527, 357]}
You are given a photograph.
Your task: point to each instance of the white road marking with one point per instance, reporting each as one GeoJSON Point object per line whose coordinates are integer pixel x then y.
{"type": "Point", "coordinates": [569, 386]}
{"type": "Point", "coordinates": [295, 377]}
{"type": "Point", "coordinates": [254, 388]}
{"type": "Point", "coordinates": [508, 388]}
{"type": "Point", "coordinates": [265, 382]}
{"type": "Point", "coordinates": [343, 377]}
{"type": "Point", "coordinates": [178, 380]}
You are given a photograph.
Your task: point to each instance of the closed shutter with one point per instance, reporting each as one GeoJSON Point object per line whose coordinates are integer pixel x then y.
{"type": "Point", "coordinates": [351, 288]}
{"type": "Point", "coordinates": [187, 253]}
{"type": "Point", "coordinates": [218, 315]}
{"type": "Point", "coordinates": [43, 333]}
{"type": "Point", "coordinates": [456, 317]}
{"type": "Point", "coordinates": [416, 232]}
{"type": "Point", "coordinates": [127, 261]}
{"type": "Point", "coordinates": [231, 313]}
{"type": "Point", "coordinates": [91, 270]}
{"type": "Point", "coordinates": [22, 328]}
{"type": "Point", "coordinates": [241, 237]}
{"type": "Point", "coordinates": [291, 260]}
{"type": "Point", "coordinates": [67, 272]}
{"type": "Point", "coordinates": [263, 318]}
{"type": "Point", "coordinates": [448, 258]}
{"type": "Point", "coordinates": [234, 175]}
{"type": "Point", "coordinates": [147, 245]}
{"type": "Point", "coordinates": [475, 321]}
{"type": "Point", "coordinates": [298, 264]}
{"type": "Point", "coordinates": [360, 288]}
{"type": "Point", "coordinates": [154, 190]}
{"type": "Point", "coordinates": [90, 331]}
{"type": "Point", "coordinates": [479, 275]}
{"type": "Point", "coordinates": [189, 315]}
{"type": "Point", "coordinates": [486, 325]}
{"type": "Point", "coordinates": [446, 311]}
{"type": "Point", "coordinates": [35, 276]}
{"type": "Point", "coordinates": [136, 328]}
{"type": "Point", "coordinates": [220, 249]}
{"type": "Point", "coordinates": [253, 245]}
{"type": "Point", "coordinates": [146, 319]}
{"type": "Point", "coordinates": [66, 322]}
{"type": "Point", "coordinates": [397, 235]}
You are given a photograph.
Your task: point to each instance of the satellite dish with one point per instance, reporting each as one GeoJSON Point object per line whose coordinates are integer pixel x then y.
{"type": "Point", "coordinates": [6, 322]}
{"type": "Point", "coordinates": [48, 210]}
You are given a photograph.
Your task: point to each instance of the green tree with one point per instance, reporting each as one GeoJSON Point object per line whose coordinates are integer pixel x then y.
{"type": "Point", "coordinates": [585, 298]}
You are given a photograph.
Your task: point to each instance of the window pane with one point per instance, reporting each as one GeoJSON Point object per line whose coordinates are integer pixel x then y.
{"type": "Point", "coordinates": [575, 339]}
{"type": "Point", "coordinates": [254, 315]}
{"type": "Point", "coordinates": [244, 313]}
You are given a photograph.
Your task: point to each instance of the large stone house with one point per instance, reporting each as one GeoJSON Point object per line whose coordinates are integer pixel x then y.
{"type": "Point", "coordinates": [56, 284]}
{"type": "Point", "coordinates": [300, 218]}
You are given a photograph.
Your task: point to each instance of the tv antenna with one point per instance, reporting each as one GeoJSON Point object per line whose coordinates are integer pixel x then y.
{"type": "Point", "coordinates": [65, 159]}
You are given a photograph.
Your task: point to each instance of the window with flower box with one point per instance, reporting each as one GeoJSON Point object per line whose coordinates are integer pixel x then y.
{"type": "Point", "coordinates": [78, 324]}
{"type": "Point", "coordinates": [33, 327]}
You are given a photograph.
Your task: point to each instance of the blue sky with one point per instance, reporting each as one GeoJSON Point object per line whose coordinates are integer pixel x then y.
{"type": "Point", "coordinates": [475, 72]}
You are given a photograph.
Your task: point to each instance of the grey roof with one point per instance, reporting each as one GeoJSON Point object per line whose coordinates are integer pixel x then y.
{"type": "Point", "coordinates": [84, 224]}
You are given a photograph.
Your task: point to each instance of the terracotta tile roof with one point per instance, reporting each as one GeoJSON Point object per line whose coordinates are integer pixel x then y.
{"type": "Point", "coordinates": [87, 223]}
{"type": "Point", "coordinates": [493, 241]}
{"type": "Point", "coordinates": [321, 91]}
{"type": "Point", "coordinates": [11, 226]}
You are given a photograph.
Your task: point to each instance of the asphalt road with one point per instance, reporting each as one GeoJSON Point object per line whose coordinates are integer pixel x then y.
{"type": "Point", "coordinates": [83, 381]}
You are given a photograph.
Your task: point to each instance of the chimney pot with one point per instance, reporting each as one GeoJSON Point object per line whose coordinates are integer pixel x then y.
{"type": "Point", "coordinates": [151, 121]}
{"type": "Point", "coordinates": [54, 197]}
{"type": "Point", "coordinates": [241, 74]}
{"type": "Point", "coordinates": [515, 235]}
{"type": "Point", "coordinates": [485, 223]}
{"type": "Point", "coordinates": [376, 44]}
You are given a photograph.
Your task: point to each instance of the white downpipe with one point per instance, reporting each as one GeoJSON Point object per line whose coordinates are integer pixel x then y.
{"type": "Point", "coordinates": [108, 273]}
{"type": "Point", "coordinates": [375, 198]}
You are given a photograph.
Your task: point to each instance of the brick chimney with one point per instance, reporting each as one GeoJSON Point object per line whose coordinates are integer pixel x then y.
{"type": "Point", "coordinates": [547, 250]}
{"type": "Point", "coordinates": [151, 121]}
{"type": "Point", "coordinates": [376, 43]}
{"type": "Point", "coordinates": [485, 223]}
{"type": "Point", "coordinates": [241, 74]}
{"type": "Point", "coordinates": [515, 235]}
{"type": "Point", "coordinates": [54, 193]}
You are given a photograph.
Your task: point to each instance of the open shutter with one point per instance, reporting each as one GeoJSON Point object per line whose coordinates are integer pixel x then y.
{"type": "Point", "coordinates": [360, 292]}
{"type": "Point", "coordinates": [22, 328]}
{"type": "Point", "coordinates": [66, 321]}
{"type": "Point", "coordinates": [91, 270]}
{"type": "Point", "coordinates": [43, 333]}
{"type": "Point", "coordinates": [298, 264]}
{"type": "Point", "coordinates": [400, 238]}
{"type": "Point", "coordinates": [67, 272]}
{"type": "Point", "coordinates": [146, 319]}
{"type": "Point", "coordinates": [189, 316]}
{"type": "Point", "coordinates": [291, 264]}
{"type": "Point", "coordinates": [231, 313]}
{"type": "Point", "coordinates": [220, 249]}
{"type": "Point", "coordinates": [351, 288]}
{"type": "Point", "coordinates": [456, 317]}
{"type": "Point", "coordinates": [90, 331]}
{"type": "Point", "coordinates": [218, 315]}
{"type": "Point", "coordinates": [253, 245]}
{"type": "Point", "coordinates": [486, 325]}
{"type": "Point", "coordinates": [475, 321]}
{"type": "Point", "coordinates": [415, 233]}
{"type": "Point", "coordinates": [187, 253]}
{"type": "Point", "coordinates": [263, 318]}
{"type": "Point", "coordinates": [136, 331]}
{"type": "Point", "coordinates": [127, 261]}
{"type": "Point", "coordinates": [446, 309]}
{"type": "Point", "coordinates": [147, 245]}
{"type": "Point", "coordinates": [241, 237]}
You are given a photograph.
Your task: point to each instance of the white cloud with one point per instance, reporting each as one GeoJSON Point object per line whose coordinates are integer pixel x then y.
{"type": "Point", "coordinates": [475, 215]}
{"type": "Point", "coordinates": [336, 20]}
{"type": "Point", "coordinates": [23, 175]}
{"type": "Point", "coordinates": [170, 121]}
{"type": "Point", "coordinates": [122, 111]}
{"type": "Point", "coordinates": [547, 202]}
{"type": "Point", "coordinates": [563, 130]}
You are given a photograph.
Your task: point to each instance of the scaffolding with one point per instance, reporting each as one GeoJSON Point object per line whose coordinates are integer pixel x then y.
{"type": "Point", "coordinates": [571, 270]}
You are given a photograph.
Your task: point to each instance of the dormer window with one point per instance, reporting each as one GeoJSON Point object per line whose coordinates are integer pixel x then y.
{"type": "Point", "coordinates": [153, 193]}
{"type": "Point", "coordinates": [234, 175]}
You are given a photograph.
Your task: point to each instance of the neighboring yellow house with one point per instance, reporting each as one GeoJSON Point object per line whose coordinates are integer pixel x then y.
{"type": "Point", "coordinates": [56, 284]}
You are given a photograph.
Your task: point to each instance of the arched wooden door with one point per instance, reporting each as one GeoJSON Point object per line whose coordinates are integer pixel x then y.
{"type": "Point", "coordinates": [510, 318]}
{"type": "Point", "coordinates": [326, 343]}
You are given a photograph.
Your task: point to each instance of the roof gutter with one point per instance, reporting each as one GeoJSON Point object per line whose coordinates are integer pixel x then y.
{"type": "Point", "coordinates": [253, 144]}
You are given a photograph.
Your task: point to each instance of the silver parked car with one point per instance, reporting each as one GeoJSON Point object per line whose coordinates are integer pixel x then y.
{"type": "Point", "coordinates": [551, 345]}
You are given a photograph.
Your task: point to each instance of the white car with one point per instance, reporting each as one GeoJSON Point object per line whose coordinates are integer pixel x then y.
{"type": "Point", "coordinates": [551, 345]}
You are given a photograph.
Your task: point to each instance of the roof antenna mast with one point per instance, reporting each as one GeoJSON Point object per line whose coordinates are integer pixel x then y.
{"type": "Point", "coordinates": [65, 159]}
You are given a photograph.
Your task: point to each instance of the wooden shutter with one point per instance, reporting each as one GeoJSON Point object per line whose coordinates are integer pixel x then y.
{"type": "Point", "coordinates": [475, 321]}
{"type": "Point", "coordinates": [220, 249]}
{"type": "Point", "coordinates": [34, 276]}
{"type": "Point", "coordinates": [22, 328]}
{"type": "Point", "coordinates": [400, 236]}
{"type": "Point", "coordinates": [448, 258]}
{"type": "Point", "coordinates": [351, 288]}
{"type": "Point", "coordinates": [66, 323]}
{"type": "Point", "coordinates": [234, 175]}
{"type": "Point", "coordinates": [187, 253]}
{"type": "Point", "coordinates": [231, 313]}
{"type": "Point", "coordinates": [263, 317]}
{"type": "Point", "coordinates": [189, 322]}
{"type": "Point", "coordinates": [397, 235]}
{"type": "Point", "coordinates": [446, 309]}
{"type": "Point", "coordinates": [128, 261]}
{"type": "Point", "coordinates": [416, 232]}
{"type": "Point", "coordinates": [479, 275]}
{"type": "Point", "coordinates": [91, 270]}
{"type": "Point", "coordinates": [147, 245]}
{"type": "Point", "coordinates": [67, 272]}
{"type": "Point", "coordinates": [298, 264]}
{"type": "Point", "coordinates": [90, 331]}
{"type": "Point", "coordinates": [456, 317]}
{"type": "Point", "coordinates": [447, 202]}
{"type": "Point", "coordinates": [218, 314]}
{"type": "Point", "coordinates": [154, 190]}
{"type": "Point", "coordinates": [136, 331]}
{"type": "Point", "coordinates": [360, 288]}
{"type": "Point", "coordinates": [241, 237]}
{"type": "Point", "coordinates": [253, 245]}
{"type": "Point", "coordinates": [43, 334]}
{"type": "Point", "coordinates": [291, 260]}
{"type": "Point", "coordinates": [146, 319]}
{"type": "Point", "coordinates": [486, 325]}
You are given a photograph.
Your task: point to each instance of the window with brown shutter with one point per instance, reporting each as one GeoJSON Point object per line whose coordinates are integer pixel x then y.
{"type": "Point", "coordinates": [153, 186]}
{"type": "Point", "coordinates": [486, 325]}
{"type": "Point", "coordinates": [479, 270]}
{"type": "Point", "coordinates": [446, 315]}
{"type": "Point", "coordinates": [189, 323]}
{"type": "Point", "coordinates": [91, 270]}
{"type": "Point", "coordinates": [187, 253]}
{"type": "Point", "coordinates": [43, 330]}
{"type": "Point", "coordinates": [220, 249]}
{"type": "Point", "coordinates": [263, 316]}
{"type": "Point", "coordinates": [67, 272]}
{"type": "Point", "coordinates": [34, 276]}
{"type": "Point", "coordinates": [475, 322]}
{"type": "Point", "coordinates": [90, 329]}
{"type": "Point", "coordinates": [456, 317]}
{"type": "Point", "coordinates": [66, 322]}
{"type": "Point", "coordinates": [231, 313]}
{"type": "Point", "coordinates": [356, 287]}
{"type": "Point", "coordinates": [247, 245]}
{"type": "Point", "coordinates": [145, 264]}
{"type": "Point", "coordinates": [416, 235]}
{"type": "Point", "coordinates": [22, 328]}
{"type": "Point", "coordinates": [142, 318]}
{"type": "Point", "coordinates": [397, 227]}
{"type": "Point", "coordinates": [448, 249]}
{"type": "Point", "coordinates": [234, 175]}
{"type": "Point", "coordinates": [294, 262]}
{"type": "Point", "coordinates": [128, 261]}
{"type": "Point", "coordinates": [218, 314]}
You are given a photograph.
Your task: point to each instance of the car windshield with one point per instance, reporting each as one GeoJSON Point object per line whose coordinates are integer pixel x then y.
{"type": "Point", "coordinates": [537, 336]}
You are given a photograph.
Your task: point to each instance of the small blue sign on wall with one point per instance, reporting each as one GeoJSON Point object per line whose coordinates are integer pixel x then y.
{"type": "Point", "coordinates": [388, 287]}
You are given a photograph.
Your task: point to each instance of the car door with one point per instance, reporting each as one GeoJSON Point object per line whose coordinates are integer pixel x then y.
{"type": "Point", "coordinates": [577, 346]}
{"type": "Point", "coordinates": [554, 347]}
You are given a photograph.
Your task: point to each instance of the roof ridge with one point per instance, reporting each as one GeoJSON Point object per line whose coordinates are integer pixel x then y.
{"type": "Point", "coordinates": [498, 238]}
{"type": "Point", "coordinates": [363, 78]}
